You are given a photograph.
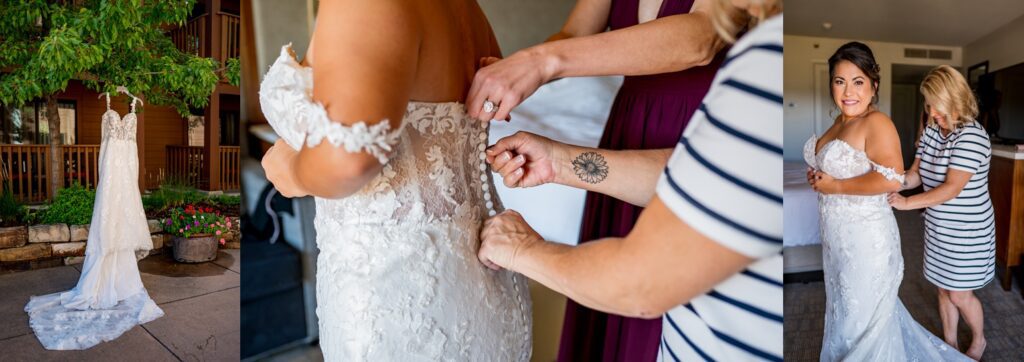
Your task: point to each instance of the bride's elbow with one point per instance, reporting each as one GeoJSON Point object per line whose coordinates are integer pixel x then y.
{"type": "Point", "coordinates": [893, 186]}
{"type": "Point", "coordinates": [345, 178]}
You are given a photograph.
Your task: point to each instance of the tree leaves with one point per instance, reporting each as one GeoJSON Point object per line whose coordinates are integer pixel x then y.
{"type": "Point", "coordinates": [104, 44]}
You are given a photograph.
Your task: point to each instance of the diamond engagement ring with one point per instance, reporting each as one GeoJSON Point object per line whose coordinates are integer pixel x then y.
{"type": "Point", "coordinates": [489, 106]}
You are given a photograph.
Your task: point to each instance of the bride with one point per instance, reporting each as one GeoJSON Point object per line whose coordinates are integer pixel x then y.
{"type": "Point", "coordinates": [373, 126]}
{"type": "Point", "coordinates": [854, 165]}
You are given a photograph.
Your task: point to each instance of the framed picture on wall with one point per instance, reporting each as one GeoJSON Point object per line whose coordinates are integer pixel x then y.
{"type": "Point", "coordinates": [975, 72]}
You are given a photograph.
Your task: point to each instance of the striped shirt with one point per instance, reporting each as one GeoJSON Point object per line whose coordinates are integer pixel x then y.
{"type": "Point", "coordinates": [725, 180]}
{"type": "Point", "coordinates": [959, 233]}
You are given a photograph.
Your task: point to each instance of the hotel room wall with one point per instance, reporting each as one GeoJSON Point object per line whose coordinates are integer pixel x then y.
{"type": "Point", "coordinates": [803, 52]}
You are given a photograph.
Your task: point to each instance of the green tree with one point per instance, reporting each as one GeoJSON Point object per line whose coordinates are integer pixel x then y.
{"type": "Point", "coordinates": [103, 43]}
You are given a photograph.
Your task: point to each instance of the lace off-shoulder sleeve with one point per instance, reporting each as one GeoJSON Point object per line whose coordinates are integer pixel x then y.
{"type": "Point", "coordinates": [377, 139]}
{"type": "Point", "coordinates": [287, 102]}
{"type": "Point", "coordinates": [889, 173]}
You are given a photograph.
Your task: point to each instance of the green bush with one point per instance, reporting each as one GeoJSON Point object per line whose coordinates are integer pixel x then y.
{"type": "Point", "coordinates": [11, 211]}
{"type": "Point", "coordinates": [226, 200]}
{"type": "Point", "coordinates": [171, 194]}
{"type": "Point", "coordinates": [72, 206]}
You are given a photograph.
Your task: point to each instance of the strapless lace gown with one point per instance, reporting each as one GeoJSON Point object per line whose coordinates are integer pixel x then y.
{"type": "Point", "coordinates": [109, 298]}
{"type": "Point", "coordinates": [864, 317]}
{"type": "Point", "coordinates": [398, 278]}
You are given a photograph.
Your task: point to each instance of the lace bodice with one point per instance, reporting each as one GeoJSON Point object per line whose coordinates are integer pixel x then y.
{"type": "Point", "coordinates": [119, 128]}
{"type": "Point", "coordinates": [397, 274]}
{"type": "Point", "coordinates": [842, 161]}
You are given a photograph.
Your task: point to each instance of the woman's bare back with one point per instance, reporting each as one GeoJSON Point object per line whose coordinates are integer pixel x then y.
{"type": "Point", "coordinates": [455, 36]}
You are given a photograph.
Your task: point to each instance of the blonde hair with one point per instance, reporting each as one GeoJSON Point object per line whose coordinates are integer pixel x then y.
{"type": "Point", "coordinates": [726, 22]}
{"type": "Point", "coordinates": [950, 94]}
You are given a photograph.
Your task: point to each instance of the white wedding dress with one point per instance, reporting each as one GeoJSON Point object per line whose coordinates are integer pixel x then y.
{"type": "Point", "coordinates": [109, 298]}
{"type": "Point", "coordinates": [864, 317]}
{"type": "Point", "coordinates": [398, 277]}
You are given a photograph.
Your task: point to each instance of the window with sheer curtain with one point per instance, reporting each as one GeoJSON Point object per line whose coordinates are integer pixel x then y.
{"type": "Point", "coordinates": [28, 124]}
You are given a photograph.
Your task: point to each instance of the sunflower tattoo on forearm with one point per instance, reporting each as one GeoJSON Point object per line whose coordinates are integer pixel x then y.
{"type": "Point", "coordinates": [590, 167]}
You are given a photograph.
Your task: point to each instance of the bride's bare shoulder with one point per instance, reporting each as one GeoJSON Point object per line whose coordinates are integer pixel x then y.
{"type": "Point", "coordinates": [878, 122]}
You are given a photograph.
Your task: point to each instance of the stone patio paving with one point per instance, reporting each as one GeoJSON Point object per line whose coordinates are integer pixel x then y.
{"type": "Point", "coordinates": [200, 322]}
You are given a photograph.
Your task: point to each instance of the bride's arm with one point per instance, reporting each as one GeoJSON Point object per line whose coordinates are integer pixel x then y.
{"type": "Point", "coordinates": [365, 54]}
{"type": "Point", "coordinates": [588, 17]}
{"type": "Point", "coordinates": [882, 146]}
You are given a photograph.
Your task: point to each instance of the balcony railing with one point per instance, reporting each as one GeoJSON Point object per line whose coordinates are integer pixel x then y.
{"type": "Point", "coordinates": [25, 171]}
{"type": "Point", "coordinates": [230, 168]}
{"type": "Point", "coordinates": [230, 36]}
{"type": "Point", "coordinates": [191, 37]}
{"type": "Point", "coordinates": [25, 168]}
{"type": "Point", "coordinates": [185, 164]}
{"type": "Point", "coordinates": [81, 164]}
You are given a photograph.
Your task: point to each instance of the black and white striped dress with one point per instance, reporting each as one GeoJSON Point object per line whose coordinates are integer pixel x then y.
{"type": "Point", "coordinates": [960, 233]}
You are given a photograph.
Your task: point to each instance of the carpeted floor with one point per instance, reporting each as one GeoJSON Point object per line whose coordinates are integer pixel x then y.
{"type": "Point", "coordinates": [1004, 310]}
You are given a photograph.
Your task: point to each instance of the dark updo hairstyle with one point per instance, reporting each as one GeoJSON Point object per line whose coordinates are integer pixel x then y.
{"type": "Point", "coordinates": [860, 55]}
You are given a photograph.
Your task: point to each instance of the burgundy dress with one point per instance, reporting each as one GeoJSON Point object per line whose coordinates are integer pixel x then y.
{"type": "Point", "coordinates": [649, 112]}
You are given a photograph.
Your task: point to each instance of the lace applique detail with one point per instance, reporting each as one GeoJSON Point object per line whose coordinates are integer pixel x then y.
{"type": "Point", "coordinates": [377, 139]}
{"type": "Point", "coordinates": [811, 158]}
{"type": "Point", "coordinates": [809, 155]}
{"type": "Point", "coordinates": [115, 127]}
{"type": "Point", "coordinates": [889, 173]}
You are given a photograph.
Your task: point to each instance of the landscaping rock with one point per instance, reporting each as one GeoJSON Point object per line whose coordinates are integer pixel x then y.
{"type": "Point", "coordinates": [160, 240]}
{"type": "Point", "coordinates": [155, 226]}
{"type": "Point", "coordinates": [25, 253]}
{"type": "Point", "coordinates": [69, 249]}
{"type": "Point", "coordinates": [72, 260]}
{"type": "Point", "coordinates": [13, 237]}
{"type": "Point", "coordinates": [157, 251]}
{"type": "Point", "coordinates": [49, 233]}
{"type": "Point", "coordinates": [79, 232]}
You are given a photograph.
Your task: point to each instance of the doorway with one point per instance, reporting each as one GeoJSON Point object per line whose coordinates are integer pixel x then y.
{"type": "Point", "coordinates": [908, 106]}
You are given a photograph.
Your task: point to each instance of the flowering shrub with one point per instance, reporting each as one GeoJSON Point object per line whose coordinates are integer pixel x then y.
{"type": "Point", "coordinates": [192, 221]}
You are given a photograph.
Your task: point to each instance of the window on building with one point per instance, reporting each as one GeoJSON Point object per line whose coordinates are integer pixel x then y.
{"type": "Point", "coordinates": [229, 130]}
{"type": "Point", "coordinates": [28, 125]}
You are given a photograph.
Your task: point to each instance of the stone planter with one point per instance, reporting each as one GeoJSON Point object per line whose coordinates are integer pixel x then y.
{"type": "Point", "coordinates": [195, 249]}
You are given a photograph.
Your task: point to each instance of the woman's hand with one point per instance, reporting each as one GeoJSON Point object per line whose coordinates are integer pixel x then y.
{"type": "Point", "coordinates": [525, 159]}
{"type": "Point", "coordinates": [899, 202]}
{"type": "Point", "coordinates": [503, 237]}
{"type": "Point", "coordinates": [278, 164]}
{"type": "Point", "coordinates": [507, 82]}
{"type": "Point", "coordinates": [824, 183]}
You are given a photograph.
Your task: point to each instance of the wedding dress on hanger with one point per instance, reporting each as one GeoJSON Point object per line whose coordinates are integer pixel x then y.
{"type": "Point", "coordinates": [109, 298]}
